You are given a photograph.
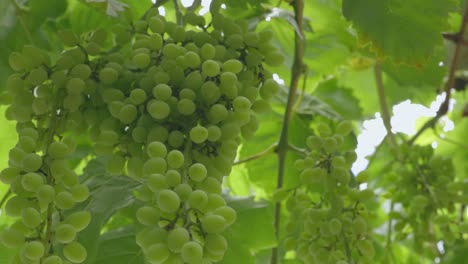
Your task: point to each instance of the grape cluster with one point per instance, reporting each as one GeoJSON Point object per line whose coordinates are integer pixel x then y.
{"type": "Point", "coordinates": [41, 182]}
{"type": "Point", "coordinates": [167, 105]}
{"type": "Point", "coordinates": [328, 220]}
{"type": "Point", "coordinates": [430, 198]}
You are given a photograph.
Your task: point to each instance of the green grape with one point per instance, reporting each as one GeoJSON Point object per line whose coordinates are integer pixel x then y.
{"type": "Point", "coordinates": [192, 60]}
{"type": "Point", "coordinates": [197, 172]}
{"type": "Point", "coordinates": [217, 113]}
{"type": "Point", "coordinates": [215, 201]}
{"type": "Point", "coordinates": [251, 39]}
{"type": "Point", "coordinates": [324, 130]}
{"type": "Point", "coordinates": [31, 162]}
{"type": "Point", "coordinates": [158, 109]}
{"type": "Point", "coordinates": [186, 106]}
{"type": "Point", "coordinates": [148, 215]}
{"type": "Point", "coordinates": [171, 51]}
{"type": "Point", "coordinates": [366, 248]}
{"type": "Point", "coordinates": [359, 225]}
{"type": "Point", "coordinates": [168, 201]}
{"type": "Point", "coordinates": [344, 128]}
{"type": "Point", "coordinates": [37, 76]}
{"type": "Point", "coordinates": [173, 178]}
{"type": "Point", "coordinates": [68, 37]}
{"type": "Point", "coordinates": [269, 88]}
{"type": "Point", "coordinates": [198, 134]}
{"type": "Point", "coordinates": [210, 68]}
{"type": "Point", "coordinates": [80, 193]}
{"type": "Point", "coordinates": [26, 143]}
{"type": "Point", "coordinates": [176, 139]}
{"type": "Point", "coordinates": [33, 250]}
{"type": "Point", "coordinates": [175, 159]}
{"type": "Point", "coordinates": [17, 61]}
{"type": "Point", "coordinates": [81, 71]}
{"type": "Point", "coordinates": [31, 217]}
{"type": "Point", "coordinates": [58, 150]}
{"type": "Point", "coordinates": [210, 185]}
{"type": "Point", "coordinates": [75, 252]}
{"type": "Point", "coordinates": [227, 213]}
{"type": "Point", "coordinates": [157, 253]}
{"type": "Point", "coordinates": [156, 182]}
{"type": "Point", "coordinates": [335, 226]}
{"type": "Point", "coordinates": [156, 149]}
{"type": "Point", "coordinates": [215, 244]}
{"type": "Point", "coordinates": [64, 200]}
{"type": "Point", "coordinates": [93, 48]}
{"type": "Point", "coordinates": [138, 96]}
{"type": "Point", "coordinates": [65, 233]}
{"type": "Point", "coordinates": [162, 92]}
{"type": "Point", "coordinates": [108, 75]}
{"type": "Point", "coordinates": [207, 51]}
{"type": "Point", "coordinates": [52, 259]}
{"type": "Point", "coordinates": [154, 165]}
{"type": "Point", "coordinates": [32, 181]}
{"type": "Point", "coordinates": [213, 224]}
{"type": "Point", "coordinates": [214, 133]}
{"type": "Point", "coordinates": [177, 238]}
{"type": "Point", "coordinates": [192, 252]}
{"type": "Point", "coordinates": [187, 94]}
{"type": "Point", "coordinates": [274, 58]}
{"type": "Point", "coordinates": [156, 24]}
{"type": "Point", "coordinates": [79, 220]}
{"type": "Point", "coordinates": [127, 114]}
{"type": "Point", "coordinates": [141, 60]}
{"type": "Point", "coordinates": [366, 195]}
{"type": "Point", "coordinates": [15, 205]}
{"type": "Point", "coordinates": [11, 238]}
{"type": "Point", "coordinates": [241, 104]}
{"type": "Point", "coordinates": [198, 199]}
{"type": "Point", "coordinates": [329, 144]}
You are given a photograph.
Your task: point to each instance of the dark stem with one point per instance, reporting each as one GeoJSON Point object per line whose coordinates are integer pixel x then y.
{"type": "Point", "coordinates": [5, 197]}
{"type": "Point", "coordinates": [384, 109]}
{"type": "Point", "coordinates": [283, 145]}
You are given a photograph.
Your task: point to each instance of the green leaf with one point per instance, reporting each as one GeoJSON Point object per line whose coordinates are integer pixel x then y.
{"type": "Point", "coordinates": [119, 247]}
{"type": "Point", "coordinates": [340, 98]}
{"type": "Point", "coordinates": [406, 30]}
{"type": "Point", "coordinates": [113, 7]}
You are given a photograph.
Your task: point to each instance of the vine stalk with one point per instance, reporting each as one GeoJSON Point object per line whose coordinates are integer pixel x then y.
{"type": "Point", "coordinates": [283, 145]}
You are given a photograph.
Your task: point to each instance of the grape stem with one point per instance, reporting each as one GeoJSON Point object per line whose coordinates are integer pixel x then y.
{"type": "Point", "coordinates": [258, 155]}
{"type": "Point", "coordinates": [283, 146]}
{"type": "Point", "coordinates": [20, 10]}
{"type": "Point", "coordinates": [383, 105]}
{"type": "Point", "coordinates": [444, 107]}
{"type": "Point", "coordinates": [5, 197]}
{"type": "Point", "coordinates": [178, 13]}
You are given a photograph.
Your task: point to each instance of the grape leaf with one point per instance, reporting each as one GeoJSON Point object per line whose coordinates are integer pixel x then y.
{"type": "Point", "coordinates": [119, 247]}
{"type": "Point", "coordinates": [113, 6]}
{"type": "Point", "coordinates": [406, 30]}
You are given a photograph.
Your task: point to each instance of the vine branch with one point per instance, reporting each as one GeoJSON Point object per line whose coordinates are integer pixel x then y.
{"type": "Point", "coordinates": [258, 155]}
{"type": "Point", "coordinates": [384, 109]}
{"type": "Point", "coordinates": [458, 38]}
{"type": "Point", "coordinates": [283, 145]}
{"type": "Point", "coordinates": [5, 197]}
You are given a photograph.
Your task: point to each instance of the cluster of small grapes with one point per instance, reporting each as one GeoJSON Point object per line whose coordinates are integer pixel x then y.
{"type": "Point", "coordinates": [41, 183]}
{"type": "Point", "coordinates": [328, 221]}
{"type": "Point", "coordinates": [166, 105]}
{"type": "Point", "coordinates": [430, 196]}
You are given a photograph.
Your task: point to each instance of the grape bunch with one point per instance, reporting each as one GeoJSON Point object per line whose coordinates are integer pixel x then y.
{"type": "Point", "coordinates": [42, 185]}
{"type": "Point", "coordinates": [328, 220]}
{"type": "Point", "coordinates": [430, 198]}
{"type": "Point", "coordinates": [167, 104]}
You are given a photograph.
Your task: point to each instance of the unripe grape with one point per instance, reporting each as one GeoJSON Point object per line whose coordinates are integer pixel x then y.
{"type": "Point", "coordinates": [158, 109]}
{"type": "Point", "coordinates": [31, 162]}
{"type": "Point", "coordinates": [269, 88]}
{"type": "Point", "coordinates": [366, 248]}
{"type": "Point", "coordinates": [79, 220]}
{"type": "Point", "coordinates": [213, 224]}
{"type": "Point", "coordinates": [186, 106]}
{"type": "Point", "coordinates": [64, 200]}
{"type": "Point", "coordinates": [359, 225]}
{"type": "Point", "coordinates": [108, 75]}
{"type": "Point", "coordinates": [173, 178]}
{"type": "Point", "coordinates": [210, 68]}
{"type": "Point", "coordinates": [207, 51]}
{"type": "Point", "coordinates": [216, 244]}
{"type": "Point", "coordinates": [227, 213]}
{"type": "Point", "coordinates": [154, 165]}
{"type": "Point", "coordinates": [37, 76]}
{"type": "Point", "coordinates": [148, 215]}
{"type": "Point", "coordinates": [157, 253]}
{"type": "Point", "coordinates": [80, 193]}
{"type": "Point", "coordinates": [52, 260]}
{"type": "Point", "coordinates": [168, 201]}
{"type": "Point", "coordinates": [192, 60]}
{"type": "Point", "coordinates": [192, 252]}
{"type": "Point", "coordinates": [198, 199]}
{"type": "Point", "coordinates": [32, 181]}
{"type": "Point", "coordinates": [197, 172]}
{"type": "Point", "coordinates": [15, 205]}
{"type": "Point", "coordinates": [176, 139]}
{"type": "Point", "coordinates": [17, 61]}
{"type": "Point", "coordinates": [127, 114]}
{"type": "Point", "coordinates": [65, 233]}
{"type": "Point", "coordinates": [217, 113]}
{"type": "Point", "coordinates": [175, 159]}
{"type": "Point", "coordinates": [177, 238]}
{"type": "Point", "coordinates": [274, 58]}
{"type": "Point", "coordinates": [33, 250]}
{"type": "Point", "coordinates": [11, 238]}
{"type": "Point", "coordinates": [344, 128]}
{"type": "Point", "coordinates": [198, 134]}
{"type": "Point", "coordinates": [156, 25]}
{"type": "Point", "coordinates": [162, 92]}
{"type": "Point", "coordinates": [31, 217]}
{"type": "Point", "coordinates": [75, 252]}
{"type": "Point", "coordinates": [183, 191]}
{"type": "Point", "coordinates": [58, 150]}
{"type": "Point", "coordinates": [156, 149]}
{"type": "Point", "coordinates": [138, 96]}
